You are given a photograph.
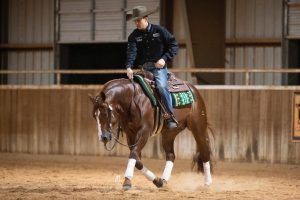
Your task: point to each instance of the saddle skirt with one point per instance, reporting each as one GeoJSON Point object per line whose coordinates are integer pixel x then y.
{"type": "Point", "coordinates": [176, 85]}
{"type": "Point", "coordinates": [181, 93]}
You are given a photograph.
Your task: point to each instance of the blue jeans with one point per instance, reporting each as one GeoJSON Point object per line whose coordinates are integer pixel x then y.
{"type": "Point", "coordinates": [161, 80]}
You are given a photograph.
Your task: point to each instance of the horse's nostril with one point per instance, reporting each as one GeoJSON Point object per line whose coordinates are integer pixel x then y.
{"type": "Point", "coordinates": [104, 138]}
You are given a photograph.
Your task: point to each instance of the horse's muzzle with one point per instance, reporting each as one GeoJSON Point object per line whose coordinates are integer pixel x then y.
{"type": "Point", "coordinates": [105, 136]}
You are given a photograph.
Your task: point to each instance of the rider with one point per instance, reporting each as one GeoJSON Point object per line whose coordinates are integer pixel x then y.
{"type": "Point", "coordinates": [151, 46]}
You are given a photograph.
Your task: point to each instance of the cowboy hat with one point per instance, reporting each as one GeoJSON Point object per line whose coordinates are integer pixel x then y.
{"type": "Point", "coordinates": [139, 12]}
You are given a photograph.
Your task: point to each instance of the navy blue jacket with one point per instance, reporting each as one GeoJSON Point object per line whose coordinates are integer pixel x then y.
{"type": "Point", "coordinates": [150, 46]}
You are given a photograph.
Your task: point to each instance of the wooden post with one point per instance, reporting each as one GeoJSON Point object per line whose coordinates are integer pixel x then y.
{"type": "Point", "coordinates": [247, 78]}
{"type": "Point", "coordinates": [58, 78]}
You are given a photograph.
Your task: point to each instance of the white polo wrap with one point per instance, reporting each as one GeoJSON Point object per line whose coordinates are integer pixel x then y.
{"type": "Point", "coordinates": [148, 174]}
{"type": "Point", "coordinates": [167, 171]}
{"type": "Point", "coordinates": [207, 175]}
{"type": "Point", "coordinates": [130, 168]}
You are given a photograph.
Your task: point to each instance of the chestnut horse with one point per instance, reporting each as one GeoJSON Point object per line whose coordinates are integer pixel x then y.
{"type": "Point", "coordinates": [122, 104]}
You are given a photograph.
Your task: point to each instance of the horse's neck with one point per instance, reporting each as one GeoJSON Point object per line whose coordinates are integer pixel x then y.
{"type": "Point", "coordinates": [122, 95]}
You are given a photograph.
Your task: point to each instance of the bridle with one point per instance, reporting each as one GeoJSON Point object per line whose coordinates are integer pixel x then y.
{"type": "Point", "coordinates": [119, 130]}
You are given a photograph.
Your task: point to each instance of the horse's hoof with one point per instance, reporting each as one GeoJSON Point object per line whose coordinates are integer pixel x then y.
{"type": "Point", "coordinates": [127, 187]}
{"type": "Point", "coordinates": [207, 183]}
{"type": "Point", "coordinates": [159, 182]}
{"type": "Point", "coordinates": [127, 184]}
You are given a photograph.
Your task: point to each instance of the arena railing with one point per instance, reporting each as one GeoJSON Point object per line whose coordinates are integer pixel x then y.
{"type": "Point", "coordinates": [245, 71]}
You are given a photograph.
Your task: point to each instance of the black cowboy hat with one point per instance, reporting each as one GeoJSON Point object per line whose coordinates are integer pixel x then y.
{"type": "Point", "coordinates": [139, 12]}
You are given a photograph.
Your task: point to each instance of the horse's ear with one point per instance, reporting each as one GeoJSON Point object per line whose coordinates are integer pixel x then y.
{"type": "Point", "coordinates": [91, 98]}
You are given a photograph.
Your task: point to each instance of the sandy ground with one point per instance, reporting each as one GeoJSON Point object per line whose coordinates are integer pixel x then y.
{"type": "Point", "coordinates": [25, 176]}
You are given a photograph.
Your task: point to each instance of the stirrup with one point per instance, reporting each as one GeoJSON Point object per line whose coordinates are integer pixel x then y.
{"type": "Point", "coordinates": [171, 124]}
{"type": "Point", "coordinates": [174, 119]}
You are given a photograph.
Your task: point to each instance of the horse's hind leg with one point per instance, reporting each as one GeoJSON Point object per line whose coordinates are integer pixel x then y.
{"type": "Point", "coordinates": [202, 156]}
{"type": "Point", "coordinates": [168, 145]}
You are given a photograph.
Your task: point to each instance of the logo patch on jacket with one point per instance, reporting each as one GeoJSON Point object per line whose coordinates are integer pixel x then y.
{"type": "Point", "coordinates": [156, 34]}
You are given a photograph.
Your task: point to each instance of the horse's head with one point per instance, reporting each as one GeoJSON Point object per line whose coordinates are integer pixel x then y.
{"type": "Point", "coordinates": [104, 115]}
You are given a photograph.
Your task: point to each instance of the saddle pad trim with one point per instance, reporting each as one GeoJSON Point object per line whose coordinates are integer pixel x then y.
{"type": "Point", "coordinates": [147, 89]}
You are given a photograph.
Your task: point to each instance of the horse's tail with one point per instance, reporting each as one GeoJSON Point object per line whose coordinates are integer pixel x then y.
{"type": "Point", "coordinates": [207, 150]}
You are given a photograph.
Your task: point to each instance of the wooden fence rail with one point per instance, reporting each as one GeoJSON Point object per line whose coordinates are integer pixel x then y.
{"type": "Point", "coordinates": [245, 71]}
{"type": "Point", "coordinates": [250, 125]}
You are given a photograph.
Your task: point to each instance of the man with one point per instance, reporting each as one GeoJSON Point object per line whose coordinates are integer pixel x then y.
{"type": "Point", "coordinates": [151, 46]}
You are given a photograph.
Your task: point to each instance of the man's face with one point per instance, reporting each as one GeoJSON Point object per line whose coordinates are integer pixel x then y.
{"type": "Point", "coordinates": [141, 23]}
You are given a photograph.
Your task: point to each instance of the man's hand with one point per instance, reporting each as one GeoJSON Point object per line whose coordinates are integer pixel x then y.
{"type": "Point", "coordinates": [160, 63]}
{"type": "Point", "coordinates": [130, 73]}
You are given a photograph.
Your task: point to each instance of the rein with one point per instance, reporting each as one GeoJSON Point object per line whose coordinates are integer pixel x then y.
{"type": "Point", "coordinates": [116, 140]}
{"type": "Point", "coordinates": [119, 142]}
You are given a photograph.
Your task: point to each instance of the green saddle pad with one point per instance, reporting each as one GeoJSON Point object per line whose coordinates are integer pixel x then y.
{"type": "Point", "coordinates": [182, 98]}
{"type": "Point", "coordinates": [178, 98]}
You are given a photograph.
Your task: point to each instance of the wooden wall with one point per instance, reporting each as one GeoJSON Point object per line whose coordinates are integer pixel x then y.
{"type": "Point", "coordinates": [253, 40]}
{"type": "Point", "coordinates": [250, 125]}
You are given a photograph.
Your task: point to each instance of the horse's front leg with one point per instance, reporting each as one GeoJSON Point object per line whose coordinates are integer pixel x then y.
{"type": "Point", "coordinates": [134, 160]}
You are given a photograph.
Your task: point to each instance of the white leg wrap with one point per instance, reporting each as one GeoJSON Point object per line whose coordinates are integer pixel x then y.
{"type": "Point", "coordinates": [148, 174]}
{"type": "Point", "coordinates": [168, 170]}
{"type": "Point", "coordinates": [207, 175]}
{"type": "Point", "coordinates": [130, 168]}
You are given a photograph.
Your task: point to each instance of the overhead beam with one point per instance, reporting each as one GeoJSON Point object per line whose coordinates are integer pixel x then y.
{"type": "Point", "coordinates": [11, 47]}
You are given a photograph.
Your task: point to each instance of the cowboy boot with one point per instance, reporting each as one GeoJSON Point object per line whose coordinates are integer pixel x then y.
{"type": "Point", "coordinates": [172, 122]}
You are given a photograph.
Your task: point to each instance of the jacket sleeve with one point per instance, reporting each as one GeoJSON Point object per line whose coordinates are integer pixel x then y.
{"type": "Point", "coordinates": [171, 46]}
{"type": "Point", "coordinates": [131, 51]}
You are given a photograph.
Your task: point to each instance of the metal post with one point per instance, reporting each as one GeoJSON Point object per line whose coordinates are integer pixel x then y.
{"type": "Point", "coordinates": [124, 34]}
{"type": "Point", "coordinates": [93, 22]}
{"type": "Point", "coordinates": [285, 40]}
{"type": "Point", "coordinates": [56, 50]}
